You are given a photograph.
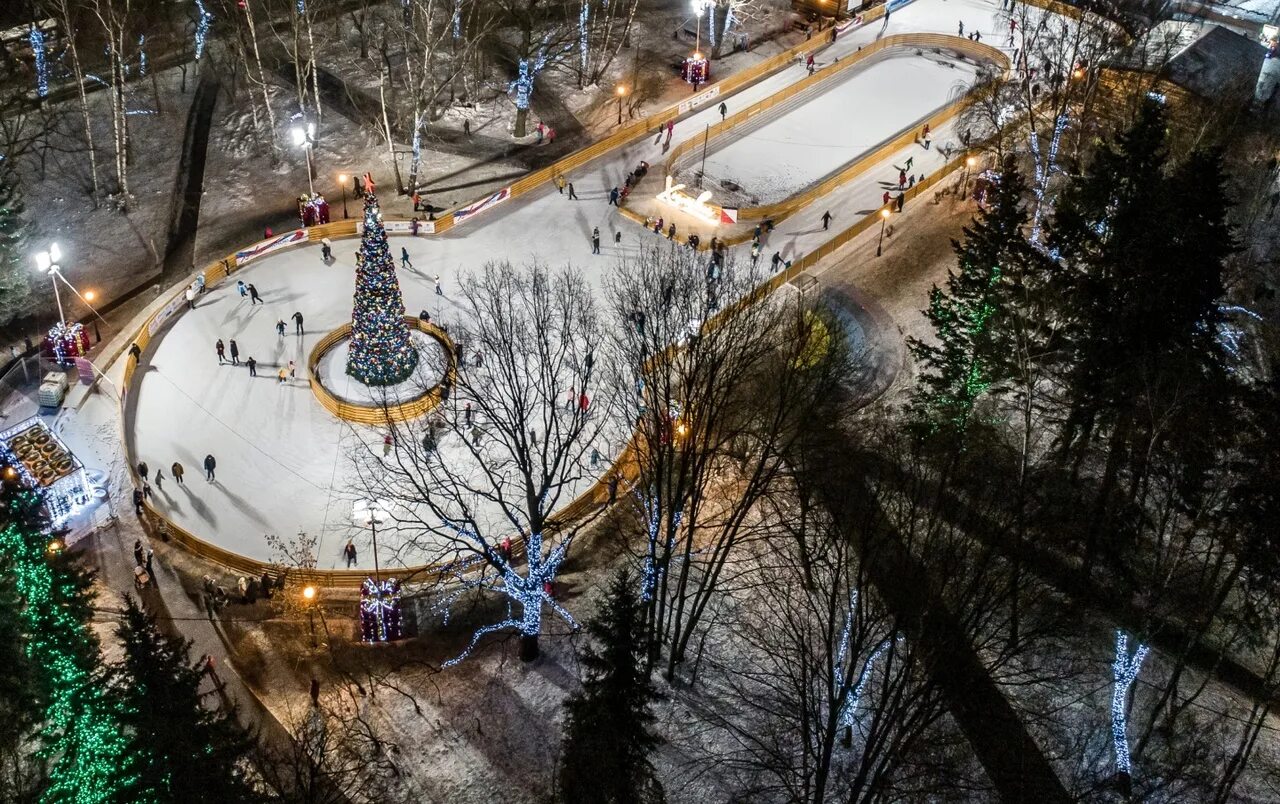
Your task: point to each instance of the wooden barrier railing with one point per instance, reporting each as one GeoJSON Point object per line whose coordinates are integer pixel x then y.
{"type": "Point", "coordinates": [373, 413]}
{"type": "Point", "coordinates": [748, 117]}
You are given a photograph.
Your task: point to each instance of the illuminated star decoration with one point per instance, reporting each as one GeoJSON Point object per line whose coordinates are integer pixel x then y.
{"type": "Point", "coordinates": [382, 352]}
{"type": "Point", "coordinates": [1123, 672]}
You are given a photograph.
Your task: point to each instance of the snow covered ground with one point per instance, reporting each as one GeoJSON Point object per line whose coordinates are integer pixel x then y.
{"type": "Point", "coordinates": [282, 460]}
{"type": "Point", "coordinates": [828, 129]}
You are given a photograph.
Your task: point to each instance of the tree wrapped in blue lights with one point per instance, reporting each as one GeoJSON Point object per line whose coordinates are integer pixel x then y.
{"type": "Point", "coordinates": [1124, 671]}
{"type": "Point", "coordinates": [382, 353]}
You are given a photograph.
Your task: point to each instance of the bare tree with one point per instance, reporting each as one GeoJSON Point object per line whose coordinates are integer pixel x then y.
{"type": "Point", "coordinates": [475, 486]}
{"type": "Point", "coordinates": [717, 398]}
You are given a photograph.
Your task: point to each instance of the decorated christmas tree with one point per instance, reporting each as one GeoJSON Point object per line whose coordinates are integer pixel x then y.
{"type": "Point", "coordinates": [381, 350]}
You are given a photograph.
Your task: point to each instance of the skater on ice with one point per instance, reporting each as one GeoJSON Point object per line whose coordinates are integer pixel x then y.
{"type": "Point", "coordinates": [254, 298]}
{"type": "Point", "coordinates": [297, 322]}
{"type": "Point", "coordinates": [253, 366]}
{"type": "Point", "coordinates": [221, 350]}
{"type": "Point", "coordinates": [235, 352]}
{"type": "Point", "coordinates": [209, 465]}
{"type": "Point", "coordinates": [176, 470]}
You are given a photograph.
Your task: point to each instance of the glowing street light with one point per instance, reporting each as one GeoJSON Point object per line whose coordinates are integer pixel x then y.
{"type": "Point", "coordinates": [309, 595]}
{"type": "Point", "coordinates": [342, 182]}
{"type": "Point", "coordinates": [968, 167]}
{"type": "Point", "coordinates": [622, 93]}
{"type": "Point", "coordinates": [47, 263]}
{"type": "Point", "coordinates": [304, 136]}
{"type": "Point", "coordinates": [884, 218]}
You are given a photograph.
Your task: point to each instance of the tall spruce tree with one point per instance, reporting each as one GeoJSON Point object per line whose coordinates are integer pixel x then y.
{"type": "Point", "coordinates": [15, 272]}
{"type": "Point", "coordinates": [1141, 249]}
{"type": "Point", "coordinates": [382, 352]}
{"type": "Point", "coordinates": [78, 729]}
{"type": "Point", "coordinates": [972, 318]}
{"type": "Point", "coordinates": [176, 748]}
{"type": "Point", "coordinates": [607, 737]}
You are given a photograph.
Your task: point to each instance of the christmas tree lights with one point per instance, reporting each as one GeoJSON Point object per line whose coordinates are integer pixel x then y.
{"type": "Point", "coordinates": [382, 352]}
{"type": "Point", "coordinates": [203, 19]}
{"type": "Point", "coordinates": [82, 734]}
{"type": "Point", "coordinates": [36, 38]}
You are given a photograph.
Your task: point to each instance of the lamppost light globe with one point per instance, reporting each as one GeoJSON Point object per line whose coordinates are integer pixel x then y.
{"type": "Point", "coordinates": [342, 177]}
{"type": "Point", "coordinates": [43, 261]}
{"type": "Point", "coordinates": [90, 295]}
{"type": "Point", "coordinates": [970, 161]}
{"type": "Point", "coordinates": [309, 592]}
{"type": "Point", "coordinates": [622, 90]}
{"type": "Point", "coordinates": [55, 253]}
{"type": "Point", "coordinates": [299, 136]}
{"type": "Point", "coordinates": [884, 213]}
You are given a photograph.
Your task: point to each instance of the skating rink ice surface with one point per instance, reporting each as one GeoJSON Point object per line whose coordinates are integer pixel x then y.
{"type": "Point", "coordinates": [829, 129]}
{"type": "Point", "coordinates": [283, 460]}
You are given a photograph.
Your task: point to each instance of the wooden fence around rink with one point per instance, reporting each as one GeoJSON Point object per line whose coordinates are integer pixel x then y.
{"type": "Point", "coordinates": [371, 413]}
{"type": "Point", "coordinates": [879, 49]}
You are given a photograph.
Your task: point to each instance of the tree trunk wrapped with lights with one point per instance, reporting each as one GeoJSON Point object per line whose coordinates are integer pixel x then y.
{"type": "Point", "coordinates": [381, 350]}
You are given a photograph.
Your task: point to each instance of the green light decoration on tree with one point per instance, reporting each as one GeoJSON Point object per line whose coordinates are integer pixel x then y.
{"type": "Point", "coordinates": [81, 735]}
{"type": "Point", "coordinates": [382, 352]}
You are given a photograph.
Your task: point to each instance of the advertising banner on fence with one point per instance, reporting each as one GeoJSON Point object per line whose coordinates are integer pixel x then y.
{"type": "Point", "coordinates": [268, 246]}
{"type": "Point", "coordinates": [698, 100]}
{"type": "Point", "coordinates": [492, 201]}
{"type": "Point", "coordinates": [402, 227]}
{"type": "Point", "coordinates": [175, 304]}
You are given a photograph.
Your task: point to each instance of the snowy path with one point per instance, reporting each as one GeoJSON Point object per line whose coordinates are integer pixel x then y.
{"type": "Point", "coordinates": [282, 460]}
{"type": "Point", "coordinates": [828, 129]}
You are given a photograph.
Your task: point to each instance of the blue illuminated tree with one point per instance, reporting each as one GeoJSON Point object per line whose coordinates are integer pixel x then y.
{"type": "Point", "coordinates": [382, 353]}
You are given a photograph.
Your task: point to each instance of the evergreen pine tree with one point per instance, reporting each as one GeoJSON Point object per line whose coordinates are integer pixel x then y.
{"type": "Point", "coordinates": [607, 736]}
{"type": "Point", "coordinates": [15, 272]}
{"type": "Point", "coordinates": [177, 750]}
{"type": "Point", "coordinates": [971, 317]}
{"type": "Point", "coordinates": [382, 352]}
{"type": "Point", "coordinates": [1141, 250]}
{"type": "Point", "coordinates": [79, 730]}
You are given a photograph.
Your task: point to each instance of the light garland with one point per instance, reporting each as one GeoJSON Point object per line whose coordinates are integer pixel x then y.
{"type": "Point", "coordinates": [142, 54]}
{"type": "Point", "coordinates": [36, 38]}
{"type": "Point", "coordinates": [651, 575]}
{"type": "Point", "coordinates": [380, 610]}
{"type": "Point", "coordinates": [203, 19]}
{"type": "Point", "coordinates": [582, 32]}
{"type": "Point", "coordinates": [1124, 670]}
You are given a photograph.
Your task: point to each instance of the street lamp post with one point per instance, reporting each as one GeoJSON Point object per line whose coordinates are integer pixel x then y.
{"type": "Point", "coordinates": [968, 167]}
{"type": "Point", "coordinates": [309, 595]}
{"type": "Point", "coordinates": [884, 218]}
{"type": "Point", "coordinates": [304, 135]}
{"type": "Point", "coordinates": [47, 263]}
{"type": "Point", "coordinates": [622, 93]}
{"type": "Point", "coordinates": [342, 181]}
{"type": "Point", "coordinates": [369, 514]}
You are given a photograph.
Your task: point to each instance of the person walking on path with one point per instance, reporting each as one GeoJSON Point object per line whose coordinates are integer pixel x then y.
{"type": "Point", "coordinates": [386, 445]}
{"type": "Point", "coordinates": [142, 470]}
{"type": "Point", "coordinates": [191, 298]}
{"type": "Point", "coordinates": [349, 553]}
{"type": "Point", "coordinates": [176, 470]}
{"type": "Point", "coordinates": [560, 183]}
{"type": "Point", "coordinates": [235, 353]}
{"type": "Point", "coordinates": [826, 220]}
{"type": "Point", "coordinates": [755, 254]}
{"type": "Point", "coordinates": [439, 290]}
{"type": "Point", "coordinates": [151, 573]}
{"type": "Point", "coordinates": [671, 127]}
{"type": "Point", "coordinates": [595, 240]}
{"type": "Point", "coordinates": [138, 553]}
{"type": "Point", "coordinates": [221, 349]}
{"type": "Point", "coordinates": [404, 258]}
{"type": "Point", "coordinates": [902, 199]}
{"type": "Point", "coordinates": [253, 366]}
{"type": "Point", "coordinates": [886, 198]}
{"type": "Point", "coordinates": [209, 465]}
{"type": "Point", "coordinates": [671, 231]}
{"type": "Point", "coordinates": [724, 110]}
{"type": "Point", "coordinates": [613, 196]}
{"type": "Point", "coordinates": [572, 195]}
{"type": "Point", "coordinates": [254, 298]}
{"type": "Point", "coordinates": [776, 260]}
{"type": "Point", "coordinates": [297, 322]}
{"type": "Point", "coordinates": [137, 509]}
{"type": "Point", "coordinates": [809, 64]}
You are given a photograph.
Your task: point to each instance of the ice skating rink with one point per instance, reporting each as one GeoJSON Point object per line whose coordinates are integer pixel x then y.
{"type": "Point", "coordinates": [284, 463]}
{"type": "Point", "coordinates": [827, 130]}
